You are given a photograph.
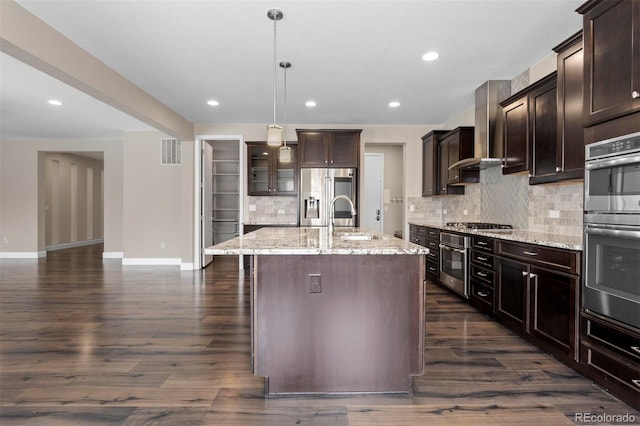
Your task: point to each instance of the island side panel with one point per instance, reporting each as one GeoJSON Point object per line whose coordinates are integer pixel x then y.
{"type": "Point", "coordinates": [364, 332]}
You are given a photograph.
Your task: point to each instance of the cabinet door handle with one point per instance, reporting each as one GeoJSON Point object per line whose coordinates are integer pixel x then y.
{"type": "Point", "coordinates": [635, 94]}
{"type": "Point", "coordinates": [635, 349]}
{"type": "Point", "coordinates": [558, 169]}
{"type": "Point", "coordinates": [482, 294]}
{"type": "Point", "coordinates": [525, 273]}
{"type": "Point", "coordinates": [636, 382]}
{"type": "Point", "coordinates": [534, 276]}
{"type": "Point", "coordinates": [530, 253]}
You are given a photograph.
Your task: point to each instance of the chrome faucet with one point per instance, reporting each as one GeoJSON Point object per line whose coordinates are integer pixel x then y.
{"type": "Point", "coordinates": [332, 211]}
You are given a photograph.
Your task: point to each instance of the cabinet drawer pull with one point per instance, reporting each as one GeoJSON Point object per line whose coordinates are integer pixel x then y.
{"type": "Point", "coordinates": [635, 94]}
{"type": "Point", "coordinates": [635, 349]}
{"type": "Point", "coordinates": [482, 243]}
{"type": "Point", "coordinates": [558, 169]}
{"type": "Point", "coordinates": [482, 294]}
{"type": "Point", "coordinates": [530, 253]}
{"type": "Point", "coordinates": [432, 269]}
{"type": "Point", "coordinates": [525, 274]}
{"type": "Point", "coordinates": [483, 259]}
{"type": "Point", "coordinates": [481, 274]}
{"type": "Point", "coordinates": [636, 382]}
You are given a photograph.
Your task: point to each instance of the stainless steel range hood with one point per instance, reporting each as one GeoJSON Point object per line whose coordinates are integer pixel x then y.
{"type": "Point", "coordinates": [488, 130]}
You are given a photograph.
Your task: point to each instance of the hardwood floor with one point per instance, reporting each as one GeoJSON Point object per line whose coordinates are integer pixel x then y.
{"type": "Point", "coordinates": [87, 342]}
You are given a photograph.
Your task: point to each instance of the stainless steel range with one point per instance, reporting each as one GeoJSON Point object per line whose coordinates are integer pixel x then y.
{"type": "Point", "coordinates": [454, 255]}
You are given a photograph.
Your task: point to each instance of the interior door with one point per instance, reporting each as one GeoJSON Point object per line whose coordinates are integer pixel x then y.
{"type": "Point", "coordinates": [372, 212]}
{"type": "Point", "coordinates": [206, 190]}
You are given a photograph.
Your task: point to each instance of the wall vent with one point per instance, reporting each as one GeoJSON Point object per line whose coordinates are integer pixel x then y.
{"type": "Point", "coordinates": [171, 151]}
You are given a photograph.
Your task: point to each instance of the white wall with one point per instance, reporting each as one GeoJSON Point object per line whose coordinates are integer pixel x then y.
{"type": "Point", "coordinates": [158, 203]}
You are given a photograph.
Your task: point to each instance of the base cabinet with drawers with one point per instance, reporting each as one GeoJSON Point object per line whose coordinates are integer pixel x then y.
{"type": "Point", "coordinates": [537, 295]}
{"type": "Point", "coordinates": [610, 355]}
{"type": "Point", "coordinates": [428, 237]}
{"type": "Point", "coordinates": [482, 273]}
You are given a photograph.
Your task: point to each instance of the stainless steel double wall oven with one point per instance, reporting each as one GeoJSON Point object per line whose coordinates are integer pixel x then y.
{"type": "Point", "coordinates": [612, 229]}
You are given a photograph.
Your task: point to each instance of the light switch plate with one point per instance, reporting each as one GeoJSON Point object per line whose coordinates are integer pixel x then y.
{"type": "Point", "coordinates": [554, 214]}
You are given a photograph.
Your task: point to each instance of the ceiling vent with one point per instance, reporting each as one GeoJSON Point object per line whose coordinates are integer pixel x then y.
{"type": "Point", "coordinates": [171, 151]}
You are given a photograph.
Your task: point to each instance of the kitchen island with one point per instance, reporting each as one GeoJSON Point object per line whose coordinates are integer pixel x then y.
{"type": "Point", "coordinates": [334, 312]}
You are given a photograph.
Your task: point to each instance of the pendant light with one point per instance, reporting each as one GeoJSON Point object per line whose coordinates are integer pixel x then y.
{"type": "Point", "coordinates": [274, 132]}
{"type": "Point", "coordinates": [284, 154]}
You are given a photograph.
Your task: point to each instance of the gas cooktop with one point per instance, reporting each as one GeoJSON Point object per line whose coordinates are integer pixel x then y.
{"type": "Point", "coordinates": [478, 225]}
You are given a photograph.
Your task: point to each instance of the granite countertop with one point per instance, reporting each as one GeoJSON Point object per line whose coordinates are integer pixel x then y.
{"type": "Point", "coordinates": [313, 240]}
{"type": "Point", "coordinates": [568, 242]}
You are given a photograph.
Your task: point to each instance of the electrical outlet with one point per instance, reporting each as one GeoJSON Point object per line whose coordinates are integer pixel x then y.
{"type": "Point", "coordinates": [315, 283]}
{"type": "Point", "coordinates": [465, 212]}
{"type": "Point", "coordinates": [162, 244]}
{"type": "Point", "coordinates": [252, 207]}
{"type": "Point", "coordinates": [6, 240]}
{"type": "Point", "coordinates": [412, 208]}
{"type": "Point", "coordinates": [280, 211]}
{"type": "Point", "coordinates": [554, 214]}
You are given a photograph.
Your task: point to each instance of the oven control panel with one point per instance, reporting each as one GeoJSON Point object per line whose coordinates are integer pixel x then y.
{"type": "Point", "coordinates": [624, 144]}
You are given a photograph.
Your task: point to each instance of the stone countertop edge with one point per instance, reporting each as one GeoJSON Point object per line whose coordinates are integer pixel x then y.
{"type": "Point", "coordinates": [313, 241]}
{"type": "Point", "coordinates": [568, 242]}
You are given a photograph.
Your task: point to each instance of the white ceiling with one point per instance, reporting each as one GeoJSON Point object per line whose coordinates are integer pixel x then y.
{"type": "Point", "coordinates": [351, 56]}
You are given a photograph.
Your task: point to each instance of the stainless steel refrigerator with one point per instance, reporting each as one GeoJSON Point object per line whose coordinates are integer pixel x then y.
{"type": "Point", "coordinates": [318, 187]}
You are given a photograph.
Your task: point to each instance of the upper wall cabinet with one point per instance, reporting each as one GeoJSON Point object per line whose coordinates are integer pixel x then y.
{"type": "Point", "coordinates": [329, 148]}
{"type": "Point", "coordinates": [611, 59]}
{"type": "Point", "coordinates": [268, 174]}
{"type": "Point", "coordinates": [530, 120]}
{"type": "Point", "coordinates": [570, 138]}
{"type": "Point", "coordinates": [430, 143]}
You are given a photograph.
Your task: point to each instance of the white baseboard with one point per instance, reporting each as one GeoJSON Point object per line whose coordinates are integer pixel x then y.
{"type": "Point", "coordinates": [151, 261]}
{"type": "Point", "coordinates": [74, 244]}
{"type": "Point", "coordinates": [112, 254]}
{"type": "Point", "coordinates": [22, 254]}
{"type": "Point", "coordinates": [187, 266]}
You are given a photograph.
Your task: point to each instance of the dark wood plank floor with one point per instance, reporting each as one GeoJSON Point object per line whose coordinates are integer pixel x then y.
{"type": "Point", "coordinates": [87, 342]}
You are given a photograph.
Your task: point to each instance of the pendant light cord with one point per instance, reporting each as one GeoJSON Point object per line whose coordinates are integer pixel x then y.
{"type": "Point", "coordinates": [274, 71]}
{"type": "Point", "coordinates": [284, 126]}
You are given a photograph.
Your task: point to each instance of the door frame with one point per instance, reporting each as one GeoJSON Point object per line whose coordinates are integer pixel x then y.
{"type": "Point", "coordinates": [197, 194]}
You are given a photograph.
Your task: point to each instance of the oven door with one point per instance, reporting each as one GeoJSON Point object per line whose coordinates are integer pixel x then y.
{"type": "Point", "coordinates": [612, 271]}
{"type": "Point", "coordinates": [453, 268]}
{"type": "Point", "coordinates": [613, 185]}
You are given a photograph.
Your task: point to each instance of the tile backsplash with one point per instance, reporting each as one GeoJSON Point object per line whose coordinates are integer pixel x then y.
{"type": "Point", "coordinates": [555, 208]}
{"type": "Point", "coordinates": [273, 210]}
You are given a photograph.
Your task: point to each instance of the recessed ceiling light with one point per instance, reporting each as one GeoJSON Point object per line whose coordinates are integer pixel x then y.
{"type": "Point", "coordinates": [394, 104]}
{"type": "Point", "coordinates": [213, 102]}
{"type": "Point", "coordinates": [55, 102]}
{"type": "Point", "coordinates": [430, 56]}
{"type": "Point", "coordinates": [310, 104]}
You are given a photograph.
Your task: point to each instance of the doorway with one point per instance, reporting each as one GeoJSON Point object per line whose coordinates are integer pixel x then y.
{"type": "Point", "coordinates": [389, 165]}
{"type": "Point", "coordinates": [220, 193]}
{"type": "Point", "coordinates": [372, 213]}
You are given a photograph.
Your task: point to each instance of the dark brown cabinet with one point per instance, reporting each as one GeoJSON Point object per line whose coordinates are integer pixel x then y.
{"type": "Point", "coordinates": [267, 174]}
{"type": "Point", "coordinates": [530, 120]}
{"type": "Point", "coordinates": [611, 59]}
{"type": "Point", "coordinates": [538, 295]}
{"type": "Point", "coordinates": [610, 355]}
{"type": "Point", "coordinates": [516, 134]}
{"type": "Point", "coordinates": [569, 145]}
{"type": "Point", "coordinates": [543, 114]}
{"type": "Point", "coordinates": [454, 146]}
{"type": "Point", "coordinates": [430, 160]}
{"type": "Point", "coordinates": [329, 148]}
{"type": "Point", "coordinates": [428, 237]}
{"type": "Point", "coordinates": [481, 273]}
